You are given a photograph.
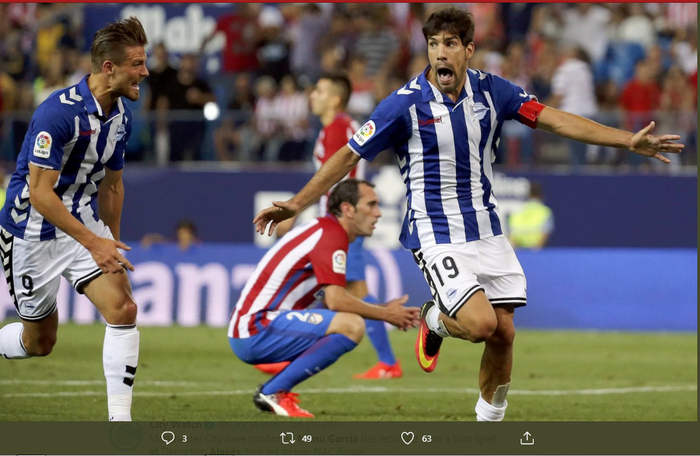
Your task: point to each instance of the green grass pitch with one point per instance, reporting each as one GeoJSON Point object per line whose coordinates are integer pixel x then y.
{"type": "Point", "coordinates": [192, 374]}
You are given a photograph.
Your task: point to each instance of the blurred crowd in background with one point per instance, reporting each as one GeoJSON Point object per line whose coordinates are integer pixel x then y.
{"type": "Point", "coordinates": [620, 64]}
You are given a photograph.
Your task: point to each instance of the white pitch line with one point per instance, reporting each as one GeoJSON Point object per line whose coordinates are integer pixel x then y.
{"type": "Point", "coordinates": [374, 390]}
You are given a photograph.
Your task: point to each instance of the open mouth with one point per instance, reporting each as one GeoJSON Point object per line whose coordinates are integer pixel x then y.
{"type": "Point", "coordinates": [445, 76]}
{"type": "Point", "coordinates": [135, 86]}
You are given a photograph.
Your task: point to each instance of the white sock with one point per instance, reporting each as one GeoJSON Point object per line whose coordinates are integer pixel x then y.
{"type": "Point", "coordinates": [434, 324]}
{"type": "Point", "coordinates": [11, 346]}
{"type": "Point", "coordinates": [487, 412]}
{"type": "Point", "coordinates": [120, 356]}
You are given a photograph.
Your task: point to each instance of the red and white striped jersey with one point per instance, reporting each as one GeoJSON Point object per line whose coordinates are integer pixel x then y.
{"type": "Point", "coordinates": [330, 140]}
{"type": "Point", "coordinates": [291, 274]}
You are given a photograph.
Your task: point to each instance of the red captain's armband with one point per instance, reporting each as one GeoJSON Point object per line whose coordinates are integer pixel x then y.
{"type": "Point", "coordinates": [529, 112]}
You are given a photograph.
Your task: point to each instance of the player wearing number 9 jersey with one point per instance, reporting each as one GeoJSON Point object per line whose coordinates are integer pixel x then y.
{"type": "Point", "coordinates": [274, 321]}
{"type": "Point", "coordinates": [63, 210]}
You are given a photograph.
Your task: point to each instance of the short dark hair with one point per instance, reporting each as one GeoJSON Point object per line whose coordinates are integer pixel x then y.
{"type": "Point", "coordinates": [110, 42]}
{"type": "Point", "coordinates": [186, 224]}
{"type": "Point", "coordinates": [341, 82]}
{"type": "Point", "coordinates": [347, 191]}
{"type": "Point", "coordinates": [453, 20]}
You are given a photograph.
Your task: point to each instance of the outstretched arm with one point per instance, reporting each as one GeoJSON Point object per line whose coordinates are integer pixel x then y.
{"type": "Point", "coordinates": [337, 167]}
{"type": "Point", "coordinates": [584, 130]}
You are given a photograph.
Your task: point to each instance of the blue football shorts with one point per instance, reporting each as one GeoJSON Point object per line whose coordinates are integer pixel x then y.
{"type": "Point", "coordinates": [356, 261]}
{"type": "Point", "coordinates": [286, 337]}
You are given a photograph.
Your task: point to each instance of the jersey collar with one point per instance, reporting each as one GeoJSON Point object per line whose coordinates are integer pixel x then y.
{"type": "Point", "coordinates": [91, 104]}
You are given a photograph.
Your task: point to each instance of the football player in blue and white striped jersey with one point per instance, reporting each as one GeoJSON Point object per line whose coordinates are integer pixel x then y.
{"type": "Point", "coordinates": [63, 210]}
{"type": "Point", "coordinates": [444, 128]}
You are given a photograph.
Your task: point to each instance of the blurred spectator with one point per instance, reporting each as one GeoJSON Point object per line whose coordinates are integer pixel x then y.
{"type": "Point", "coordinates": [77, 66]}
{"type": "Point", "coordinates": [47, 37]}
{"type": "Point", "coordinates": [13, 61]}
{"type": "Point", "coordinates": [544, 64]}
{"type": "Point", "coordinates": [309, 28]}
{"type": "Point", "coordinates": [21, 15]}
{"type": "Point", "coordinates": [490, 33]}
{"type": "Point", "coordinates": [573, 91]}
{"type": "Point", "coordinates": [50, 79]}
{"type": "Point", "coordinates": [273, 45]}
{"type": "Point", "coordinates": [519, 148]}
{"type": "Point", "coordinates": [637, 27]}
{"type": "Point", "coordinates": [639, 99]}
{"type": "Point", "coordinates": [585, 25]}
{"type": "Point", "coordinates": [161, 75]}
{"type": "Point", "coordinates": [677, 109]}
{"type": "Point", "coordinates": [362, 100]}
{"type": "Point", "coordinates": [332, 57]}
{"type": "Point", "coordinates": [186, 93]}
{"type": "Point", "coordinates": [240, 30]}
{"type": "Point", "coordinates": [680, 16]}
{"type": "Point", "coordinates": [685, 50]}
{"type": "Point", "coordinates": [291, 107]}
{"type": "Point", "coordinates": [531, 225]}
{"type": "Point", "coordinates": [414, 29]}
{"type": "Point", "coordinates": [516, 18]}
{"type": "Point", "coordinates": [185, 236]}
{"type": "Point", "coordinates": [609, 114]}
{"type": "Point", "coordinates": [232, 140]}
{"type": "Point", "coordinates": [265, 118]}
{"type": "Point", "coordinates": [377, 42]}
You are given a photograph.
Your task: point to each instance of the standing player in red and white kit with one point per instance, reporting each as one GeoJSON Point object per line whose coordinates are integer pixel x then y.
{"type": "Point", "coordinates": [272, 321]}
{"type": "Point", "coordinates": [328, 101]}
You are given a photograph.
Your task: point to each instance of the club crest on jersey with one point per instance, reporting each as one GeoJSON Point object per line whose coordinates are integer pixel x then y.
{"type": "Point", "coordinates": [42, 146]}
{"type": "Point", "coordinates": [121, 131]}
{"type": "Point", "coordinates": [365, 133]}
{"type": "Point", "coordinates": [479, 110]}
{"type": "Point", "coordinates": [314, 318]}
{"type": "Point", "coordinates": [339, 261]}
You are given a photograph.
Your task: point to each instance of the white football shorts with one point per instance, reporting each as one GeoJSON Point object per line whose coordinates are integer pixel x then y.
{"type": "Point", "coordinates": [455, 272]}
{"type": "Point", "coordinates": [33, 270]}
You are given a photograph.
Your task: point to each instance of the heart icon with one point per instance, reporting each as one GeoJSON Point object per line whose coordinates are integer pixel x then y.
{"type": "Point", "coordinates": [407, 437]}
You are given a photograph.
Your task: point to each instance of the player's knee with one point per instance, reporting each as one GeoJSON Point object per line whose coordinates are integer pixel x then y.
{"type": "Point", "coordinates": [41, 346]}
{"type": "Point", "coordinates": [480, 328]}
{"type": "Point", "coordinates": [353, 327]}
{"type": "Point", "coordinates": [124, 313]}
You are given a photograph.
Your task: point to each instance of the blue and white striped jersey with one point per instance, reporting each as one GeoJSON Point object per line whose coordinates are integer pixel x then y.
{"type": "Point", "coordinates": [68, 132]}
{"type": "Point", "coordinates": [444, 151]}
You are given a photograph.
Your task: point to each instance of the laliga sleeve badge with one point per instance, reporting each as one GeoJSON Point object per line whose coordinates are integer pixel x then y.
{"type": "Point", "coordinates": [339, 261]}
{"type": "Point", "coordinates": [365, 132]}
{"type": "Point", "coordinates": [42, 146]}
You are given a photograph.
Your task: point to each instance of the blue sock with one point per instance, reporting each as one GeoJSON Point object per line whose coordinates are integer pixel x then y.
{"type": "Point", "coordinates": [376, 331]}
{"type": "Point", "coordinates": [320, 355]}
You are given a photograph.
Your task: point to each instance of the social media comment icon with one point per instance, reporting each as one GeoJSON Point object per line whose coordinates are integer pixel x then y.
{"type": "Point", "coordinates": [167, 437]}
